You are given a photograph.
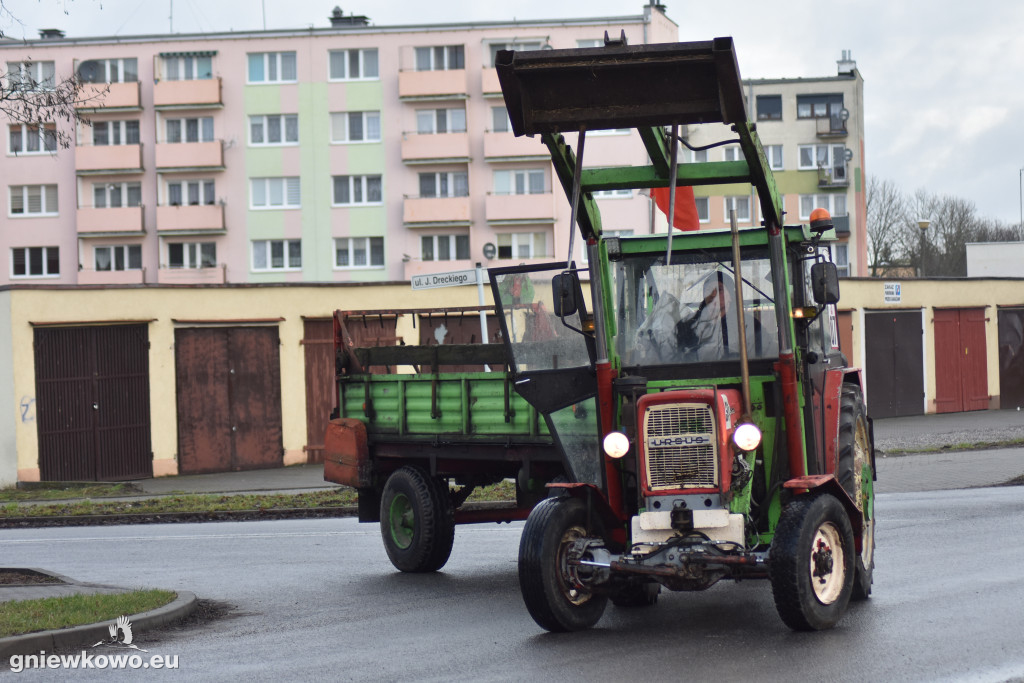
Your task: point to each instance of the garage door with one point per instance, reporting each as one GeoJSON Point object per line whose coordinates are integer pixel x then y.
{"type": "Point", "coordinates": [229, 399]}
{"type": "Point", "coordinates": [961, 367]}
{"type": "Point", "coordinates": [894, 363]}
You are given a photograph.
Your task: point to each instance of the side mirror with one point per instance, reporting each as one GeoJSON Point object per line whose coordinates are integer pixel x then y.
{"type": "Point", "coordinates": [825, 283]}
{"type": "Point", "coordinates": [563, 294]}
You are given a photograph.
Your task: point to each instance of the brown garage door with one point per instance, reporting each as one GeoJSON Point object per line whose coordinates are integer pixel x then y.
{"type": "Point", "coordinates": [318, 345]}
{"type": "Point", "coordinates": [961, 367]}
{"type": "Point", "coordinates": [229, 399]}
{"type": "Point", "coordinates": [894, 363]}
{"type": "Point", "coordinates": [92, 403]}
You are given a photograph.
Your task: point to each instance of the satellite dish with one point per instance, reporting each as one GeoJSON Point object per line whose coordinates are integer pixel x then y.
{"type": "Point", "coordinates": [90, 71]}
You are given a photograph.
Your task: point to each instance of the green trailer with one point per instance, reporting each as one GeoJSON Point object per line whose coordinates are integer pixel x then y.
{"type": "Point", "coordinates": [415, 436]}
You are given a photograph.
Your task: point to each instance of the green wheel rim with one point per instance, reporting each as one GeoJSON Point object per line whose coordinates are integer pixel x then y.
{"type": "Point", "coordinates": [401, 521]}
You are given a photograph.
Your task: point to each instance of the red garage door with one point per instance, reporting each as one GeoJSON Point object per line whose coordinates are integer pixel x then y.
{"type": "Point", "coordinates": [961, 379]}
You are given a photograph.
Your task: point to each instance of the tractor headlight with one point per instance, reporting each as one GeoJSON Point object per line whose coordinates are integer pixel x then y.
{"type": "Point", "coordinates": [616, 444]}
{"type": "Point", "coordinates": [746, 436]}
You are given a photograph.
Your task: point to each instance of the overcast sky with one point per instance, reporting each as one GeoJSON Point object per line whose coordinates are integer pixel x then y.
{"type": "Point", "coordinates": [943, 89]}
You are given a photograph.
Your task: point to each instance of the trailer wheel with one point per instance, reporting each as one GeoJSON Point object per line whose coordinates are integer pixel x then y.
{"type": "Point", "coordinates": [417, 521]}
{"type": "Point", "coordinates": [857, 477]}
{"type": "Point", "coordinates": [811, 562]}
{"type": "Point", "coordinates": [554, 599]}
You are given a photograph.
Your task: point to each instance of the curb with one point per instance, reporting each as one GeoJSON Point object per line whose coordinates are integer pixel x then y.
{"type": "Point", "coordinates": [83, 636]}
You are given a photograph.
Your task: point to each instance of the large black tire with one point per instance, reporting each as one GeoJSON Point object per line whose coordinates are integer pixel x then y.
{"type": "Point", "coordinates": [553, 602]}
{"type": "Point", "coordinates": [856, 476]}
{"type": "Point", "coordinates": [811, 562]}
{"type": "Point", "coordinates": [417, 521]}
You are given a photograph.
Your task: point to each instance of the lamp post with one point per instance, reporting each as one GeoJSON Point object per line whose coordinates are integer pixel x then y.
{"type": "Point", "coordinates": [923, 223]}
{"type": "Point", "coordinates": [1020, 194]}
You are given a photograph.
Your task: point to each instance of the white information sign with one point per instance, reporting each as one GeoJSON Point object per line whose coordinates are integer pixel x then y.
{"type": "Point", "coordinates": [892, 292]}
{"type": "Point", "coordinates": [450, 279]}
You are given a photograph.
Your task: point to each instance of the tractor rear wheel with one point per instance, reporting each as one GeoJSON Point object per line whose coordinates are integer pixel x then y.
{"type": "Point", "coordinates": [856, 475]}
{"type": "Point", "coordinates": [811, 562]}
{"type": "Point", "coordinates": [417, 521]}
{"type": "Point", "coordinates": [552, 591]}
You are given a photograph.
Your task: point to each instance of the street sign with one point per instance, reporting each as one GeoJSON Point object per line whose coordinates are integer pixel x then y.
{"type": "Point", "coordinates": [453, 278]}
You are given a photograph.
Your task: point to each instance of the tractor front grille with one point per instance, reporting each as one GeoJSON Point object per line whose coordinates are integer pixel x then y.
{"type": "Point", "coordinates": [680, 446]}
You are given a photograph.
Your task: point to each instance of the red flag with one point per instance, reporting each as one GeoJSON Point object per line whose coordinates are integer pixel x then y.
{"type": "Point", "coordinates": [686, 206]}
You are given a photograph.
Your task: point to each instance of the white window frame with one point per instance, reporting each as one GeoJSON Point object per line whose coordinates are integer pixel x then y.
{"type": "Point", "coordinates": [492, 46]}
{"type": "Point", "coordinates": [287, 135]}
{"type": "Point", "coordinates": [452, 241]}
{"type": "Point", "coordinates": [287, 188]}
{"type": "Point", "coordinates": [703, 205]}
{"type": "Point", "coordinates": [205, 189]}
{"type": "Point", "coordinates": [698, 156]}
{"type": "Point", "coordinates": [742, 205]}
{"type": "Point", "coordinates": [267, 247]}
{"type": "Point", "coordinates": [44, 136]}
{"type": "Point", "coordinates": [114, 251]}
{"type": "Point", "coordinates": [833, 202]}
{"type": "Point", "coordinates": [204, 132]}
{"type": "Point", "coordinates": [358, 185]}
{"type": "Point", "coordinates": [187, 68]}
{"type": "Point", "coordinates": [774, 155]}
{"type": "Point", "coordinates": [114, 70]}
{"type": "Point", "coordinates": [431, 116]}
{"type": "Point", "coordinates": [273, 64]}
{"type": "Point", "coordinates": [497, 114]}
{"type": "Point", "coordinates": [45, 262]}
{"type": "Point", "coordinates": [514, 176]}
{"type": "Point", "coordinates": [841, 257]}
{"type": "Point", "coordinates": [341, 127]}
{"type": "Point", "coordinates": [193, 255]}
{"type": "Point", "coordinates": [365, 73]}
{"type": "Point", "coordinates": [830, 162]}
{"type": "Point", "coordinates": [733, 153]}
{"type": "Point", "coordinates": [117, 132]}
{"type": "Point", "coordinates": [350, 246]}
{"type": "Point", "coordinates": [624, 193]}
{"type": "Point", "coordinates": [590, 42]}
{"type": "Point", "coordinates": [123, 194]}
{"type": "Point", "coordinates": [440, 57]}
{"type": "Point", "coordinates": [42, 75]}
{"type": "Point", "coordinates": [519, 241]}
{"type": "Point", "coordinates": [46, 192]}
{"type": "Point", "coordinates": [445, 184]}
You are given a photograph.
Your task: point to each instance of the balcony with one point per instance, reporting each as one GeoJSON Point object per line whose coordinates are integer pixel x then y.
{"type": "Point", "coordinates": [197, 94]}
{"type": "Point", "coordinates": [89, 276]}
{"type": "Point", "coordinates": [194, 219]}
{"type": "Point", "coordinates": [102, 222]}
{"type": "Point", "coordinates": [189, 156]}
{"type": "Point", "coordinates": [436, 212]}
{"type": "Point", "coordinates": [841, 225]}
{"type": "Point", "coordinates": [435, 148]}
{"type": "Point", "coordinates": [833, 126]}
{"type": "Point", "coordinates": [100, 159]}
{"type": "Point", "coordinates": [432, 85]}
{"type": "Point", "coordinates": [507, 147]}
{"type": "Point", "coordinates": [109, 97]}
{"type": "Point", "coordinates": [192, 276]}
{"type": "Point", "coordinates": [833, 176]}
{"type": "Point", "coordinates": [489, 83]}
{"type": "Point", "coordinates": [514, 209]}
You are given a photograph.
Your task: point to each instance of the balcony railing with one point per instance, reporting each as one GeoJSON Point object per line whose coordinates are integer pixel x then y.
{"type": "Point", "coordinates": [431, 85]}
{"type": "Point", "coordinates": [505, 146]}
{"type": "Point", "coordinates": [192, 276]}
{"type": "Point", "coordinates": [190, 219]}
{"type": "Point", "coordinates": [841, 225]}
{"type": "Point", "coordinates": [512, 209]}
{"type": "Point", "coordinates": [121, 220]}
{"type": "Point", "coordinates": [435, 148]}
{"type": "Point", "coordinates": [832, 126]}
{"type": "Point", "coordinates": [90, 276]}
{"type": "Point", "coordinates": [195, 94]}
{"type": "Point", "coordinates": [109, 97]}
{"type": "Point", "coordinates": [436, 211]}
{"type": "Point", "coordinates": [833, 176]}
{"type": "Point", "coordinates": [96, 159]}
{"type": "Point", "coordinates": [489, 83]}
{"type": "Point", "coordinates": [189, 156]}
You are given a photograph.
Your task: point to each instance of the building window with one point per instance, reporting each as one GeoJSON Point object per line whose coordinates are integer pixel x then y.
{"type": "Point", "coordinates": [108, 70]}
{"type": "Point", "coordinates": [842, 259]}
{"type": "Point", "coordinates": [522, 245]}
{"type": "Point", "coordinates": [33, 200]}
{"type": "Point", "coordinates": [189, 130]}
{"type": "Point", "coordinates": [500, 122]}
{"type": "Point", "coordinates": [444, 247]}
{"type": "Point", "coordinates": [31, 76]}
{"type": "Point", "coordinates": [355, 126]}
{"type": "Point", "coordinates": [605, 234]}
{"type": "Point", "coordinates": [115, 133]}
{"type": "Point", "coordinates": [275, 193]}
{"type": "Point", "coordinates": [272, 67]}
{"type": "Point", "coordinates": [274, 129]}
{"type": "Point", "coordinates": [497, 45]}
{"type": "Point", "coordinates": [191, 193]}
{"type": "Point", "coordinates": [774, 154]}
{"type": "Point", "coordinates": [277, 255]}
{"type": "Point", "coordinates": [590, 42]}
{"type": "Point", "coordinates": [524, 181]}
{"type": "Point", "coordinates": [192, 255]}
{"type": "Point", "coordinates": [769, 107]}
{"type": "Point", "coordinates": [35, 262]}
{"type": "Point", "coordinates": [188, 68]}
{"type": "Point", "coordinates": [613, 194]}
{"type": "Point", "coordinates": [358, 252]}
{"type": "Point", "coordinates": [444, 184]}
{"type": "Point", "coordinates": [429, 121]}
{"type": "Point", "coordinates": [742, 207]}
{"type": "Point", "coordinates": [698, 156]}
{"type": "Point", "coordinates": [357, 189]}
{"type": "Point", "coordinates": [119, 257]}
{"type": "Point", "coordinates": [116, 195]}
{"type": "Point", "coordinates": [440, 58]}
{"type": "Point", "coordinates": [353, 65]}
{"type": "Point", "coordinates": [733, 153]}
{"type": "Point", "coordinates": [835, 204]}
{"type": "Point", "coordinates": [818, 106]}
{"type": "Point", "coordinates": [703, 209]}
{"type": "Point", "coordinates": [32, 139]}
{"type": "Point", "coordinates": [828, 157]}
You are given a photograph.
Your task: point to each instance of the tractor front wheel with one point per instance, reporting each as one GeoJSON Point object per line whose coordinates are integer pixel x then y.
{"type": "Point", "coordinates": [856, 475]}
{"type": "Point", "coordinates": [551, 586]}
{"type": "Point", "coordinates": [811, 562]}
{"type": "Point", "coordinates": [417, 521]}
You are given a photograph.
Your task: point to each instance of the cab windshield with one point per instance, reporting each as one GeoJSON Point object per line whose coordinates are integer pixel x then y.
{"type": "Point", "coordinates": [685, 312]}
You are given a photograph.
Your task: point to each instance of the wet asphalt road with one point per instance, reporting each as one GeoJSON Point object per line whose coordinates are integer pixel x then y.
{"type": "Point", "coordinates": [318, 599]}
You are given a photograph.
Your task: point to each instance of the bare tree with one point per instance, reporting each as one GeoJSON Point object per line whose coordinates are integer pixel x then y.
{"type": "Point", "coordinates": [886, 218]}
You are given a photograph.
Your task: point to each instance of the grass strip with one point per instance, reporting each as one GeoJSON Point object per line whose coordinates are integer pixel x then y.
{"type": "Point", "coordinates": [27, 616]}
{"type": "Point", "coordinates": [65, 491]}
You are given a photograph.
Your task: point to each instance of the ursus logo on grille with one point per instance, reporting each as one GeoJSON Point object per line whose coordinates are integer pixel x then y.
{"type": "Point", "coordinates": [687, 440]}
